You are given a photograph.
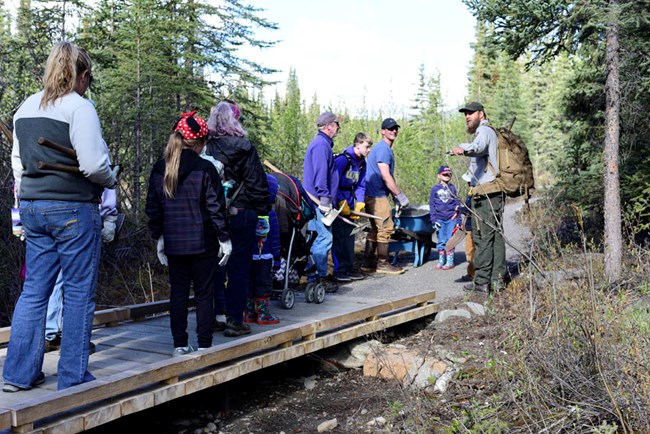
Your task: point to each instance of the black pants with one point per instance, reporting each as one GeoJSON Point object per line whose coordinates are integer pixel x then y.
{"type": "Point", "coordinates": [261, 282]}
{"type": "Point", "coordinates": [185, 270]}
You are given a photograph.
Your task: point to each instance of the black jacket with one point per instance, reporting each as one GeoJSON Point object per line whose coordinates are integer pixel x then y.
{"type": "Point", "coordinates": [242, 164]}
{"type": "Point", "coordinates": [194, 220]}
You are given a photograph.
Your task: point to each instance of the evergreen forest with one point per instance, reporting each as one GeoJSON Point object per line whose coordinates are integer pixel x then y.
{"type": "Point", "coordinates": [545, 64]}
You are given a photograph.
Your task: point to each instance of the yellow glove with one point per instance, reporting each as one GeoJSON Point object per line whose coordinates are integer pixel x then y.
{"type": "Point", "coordinates": [359, 207]}
{"type": "Point", "coordinates": [345, 211]}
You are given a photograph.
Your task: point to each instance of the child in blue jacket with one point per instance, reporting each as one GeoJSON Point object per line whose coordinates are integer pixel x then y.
{"type": "Point", "coordinates": [443, 211]}
{"type": "Point", "coordinates": [261, 277]}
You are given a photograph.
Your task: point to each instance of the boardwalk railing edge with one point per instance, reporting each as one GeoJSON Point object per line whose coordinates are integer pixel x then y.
{"type": "Point", "coordinates": [268, 348]}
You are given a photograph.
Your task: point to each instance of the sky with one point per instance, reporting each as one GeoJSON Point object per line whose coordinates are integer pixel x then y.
{"type": "Point", "coordinates": [367, 53]}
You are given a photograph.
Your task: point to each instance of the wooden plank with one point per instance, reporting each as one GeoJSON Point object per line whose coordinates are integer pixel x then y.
{"type": "Point", "coordinates": [73, 424]}
{"type": "Point", "coordinates": [102, 415]}
{"type": "Point", "coordinates": [137, 403]}
{"type": "Point", "coordinates": [5, 419]}
{"type": "Point", "coordinates": [24, 413]}
{"type": "Point", "coordinates": [169, 393]}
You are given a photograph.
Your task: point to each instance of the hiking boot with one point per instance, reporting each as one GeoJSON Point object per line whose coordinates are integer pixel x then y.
{"type": "Point", "coordinates": [441, 260]}
{"type": "Point", "coordinates": [369, 258]}
{"type": "Point", "coordinates": [383, 266]}
{"type": "Point", "coordinates": [11, 388]}
{"type": "Point", "coordinates": [474, 287]}
{"type": "Point", "coordinates": [329, 286]}
{"type": "Point", "coordinates": [250, 313]}
{"type": "Point", "coordinates": [53, 344]}
{"type": "Point", "coordinates": [182, 351]}
{"type": "Point", "coordinates": [236, 328]}
{"type": "Point", "coordinates": [450, 261]}
{"type": "Point", "coordinates": [465, 278]}
{"type": "Point", "coordinates": [264, 316]}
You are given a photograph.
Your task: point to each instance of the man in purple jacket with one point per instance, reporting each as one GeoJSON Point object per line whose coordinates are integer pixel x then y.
{"type": "Point", "coordinates": [321, 183]}
{"type": "Point", "coordinates": [351, 167]}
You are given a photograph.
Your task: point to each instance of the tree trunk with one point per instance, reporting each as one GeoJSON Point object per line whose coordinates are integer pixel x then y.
{"type": "Point", "coordinates": [612, 205]}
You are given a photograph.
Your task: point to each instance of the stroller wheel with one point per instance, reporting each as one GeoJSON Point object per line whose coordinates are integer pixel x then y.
{"type": "Point", "coordinates": [320, 293]}
{"type": "Point", "coordinates": [310, 292]}
{"type": "Point", "coordinates": [288, 298]}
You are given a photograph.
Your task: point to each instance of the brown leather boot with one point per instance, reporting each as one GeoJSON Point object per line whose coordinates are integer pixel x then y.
{"type": "Point", "coordinates": [369, 260]}
{"type": "Point", "coordinates": [383, 265]}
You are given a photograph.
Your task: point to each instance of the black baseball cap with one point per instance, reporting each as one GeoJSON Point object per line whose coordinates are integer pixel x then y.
{"type": "Point", "coordinates": [472, 107]}
{"type": "Point", "coordinates": [389, 123]}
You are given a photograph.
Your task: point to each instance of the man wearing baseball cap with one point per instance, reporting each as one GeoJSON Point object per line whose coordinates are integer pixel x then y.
{"type": "Point", "coordinates": [380, 183]}
{"type": "Point", "coordinates": [321, 181]}
{"type": "Point", "coordinates": [487, 228]}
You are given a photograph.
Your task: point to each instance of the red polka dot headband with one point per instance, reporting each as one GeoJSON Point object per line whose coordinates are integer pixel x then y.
{"type": "Point", "coordinates": [191, 127]}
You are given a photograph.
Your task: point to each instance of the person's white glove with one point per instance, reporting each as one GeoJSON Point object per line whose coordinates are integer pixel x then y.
{"type": "Point", "coordinates": [436, 226]}
{"type": "Point", "coordinates": [108, 228]}
{"type": "Point", "coordinates": [225, 250]}
{"type": "Point", "coordinates": [161, 251]}
{"type": "Point", "coordinates": [402, 200]}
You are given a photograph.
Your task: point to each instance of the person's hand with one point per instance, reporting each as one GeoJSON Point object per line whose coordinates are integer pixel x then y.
{"type": "Point", "coordinates": [402, 200]}
{"type": "Point", "coordinates": [225, 250]}
{"type": "Point", "coordinates": [263, 226]}
{"type": "Point", "coordinates": [16, 224]}
{"type": "Point", "coordinates": [108, 228]}
{"type": "Point", "coordinates": [457, 151]}
{"type": "Point", "coordinates": [344, 206]}
{"type": "Point", "coordinates": [161, 251]}
{"type": "Point", "coordinates": [436, 226]}
{"type": "Point", "coordinates": [325, 205]}
{"type": "Point", "coordinates": [358, 207]}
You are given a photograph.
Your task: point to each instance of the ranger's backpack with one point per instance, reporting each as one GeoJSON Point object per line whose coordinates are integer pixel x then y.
{"type": "Point", "coordinates": [515, 177]}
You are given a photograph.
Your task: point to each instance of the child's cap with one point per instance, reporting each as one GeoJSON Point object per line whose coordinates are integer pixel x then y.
{"type": "Point", "coordinates": [191, 126]}
{"type": "Point", "coordinates": [444, 170]}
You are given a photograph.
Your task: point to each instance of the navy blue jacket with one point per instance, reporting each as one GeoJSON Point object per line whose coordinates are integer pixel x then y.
{"type": "Point", "coordinates": [194, 220]}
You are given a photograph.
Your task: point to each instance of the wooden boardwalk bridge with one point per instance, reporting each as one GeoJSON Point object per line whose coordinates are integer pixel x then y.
{"type": "Point", "coordinates": [135, 370]}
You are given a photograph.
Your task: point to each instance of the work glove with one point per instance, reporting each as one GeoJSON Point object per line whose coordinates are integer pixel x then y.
{"type": "Point", "coordinates": [344, 206]}
{"type": "Point", "coordinates": [263, 226]}
{"type": "Point", "coordinates": [436, 226]}
{"type": "Point", "coordinates": [161, 251]}
{"type": "Point", "coordinates": [402, 200]}
{"type": "Point", "coordinates": [358, 207]}
{"type": "Point", "coordinates": [108, 228]}
{"type": "Point", "coordinates": [225, 250]}
{"type": "Point", "coordinates": [325, 206]}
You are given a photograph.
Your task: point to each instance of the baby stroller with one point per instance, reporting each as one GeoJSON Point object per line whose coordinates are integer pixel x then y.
{"type": "Point", "coordinates": [293, 211]}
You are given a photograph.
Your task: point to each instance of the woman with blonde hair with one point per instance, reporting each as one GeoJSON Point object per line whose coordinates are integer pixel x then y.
{"type": "Point", "coordinates": [187, 215]}
{"type": "Point", "coordinates": [60, 213]}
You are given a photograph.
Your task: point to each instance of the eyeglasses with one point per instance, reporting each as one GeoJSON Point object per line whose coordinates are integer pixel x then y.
{"type": "Point", "coordinates": [337, 124]}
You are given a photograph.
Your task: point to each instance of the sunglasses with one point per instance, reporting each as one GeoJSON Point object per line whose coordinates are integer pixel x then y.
{"type": "Point", "coordinates": [394, 129]}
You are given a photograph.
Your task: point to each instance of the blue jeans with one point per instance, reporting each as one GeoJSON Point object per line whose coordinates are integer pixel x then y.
{"type": "Point", "coordinates": [238, 269]}
{"type": "Point", "coordinates": [62, 236]}
{"type": "Point", "coordinates": [322, 245]}
{"type": "Point", "coordinates": [54, 320]}
{"type": "Point", "coordinates": [444, 233]}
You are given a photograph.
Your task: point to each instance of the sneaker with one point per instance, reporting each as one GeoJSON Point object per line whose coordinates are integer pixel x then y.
{"type": "Point", "coordinates": [10, 388]}
{"type": "Point", "coordinates": [219, 326]}
{"type": "Point", "coordinates": [356, 276]}
{"type": "Point", "coordinates": [236, 328]}
{"type": "Point", "coordinates": [342, 278]}
{"type": "Point", "coordinates": [53, 344]}
{"type": "Point", "coordinates": [182, 351]}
